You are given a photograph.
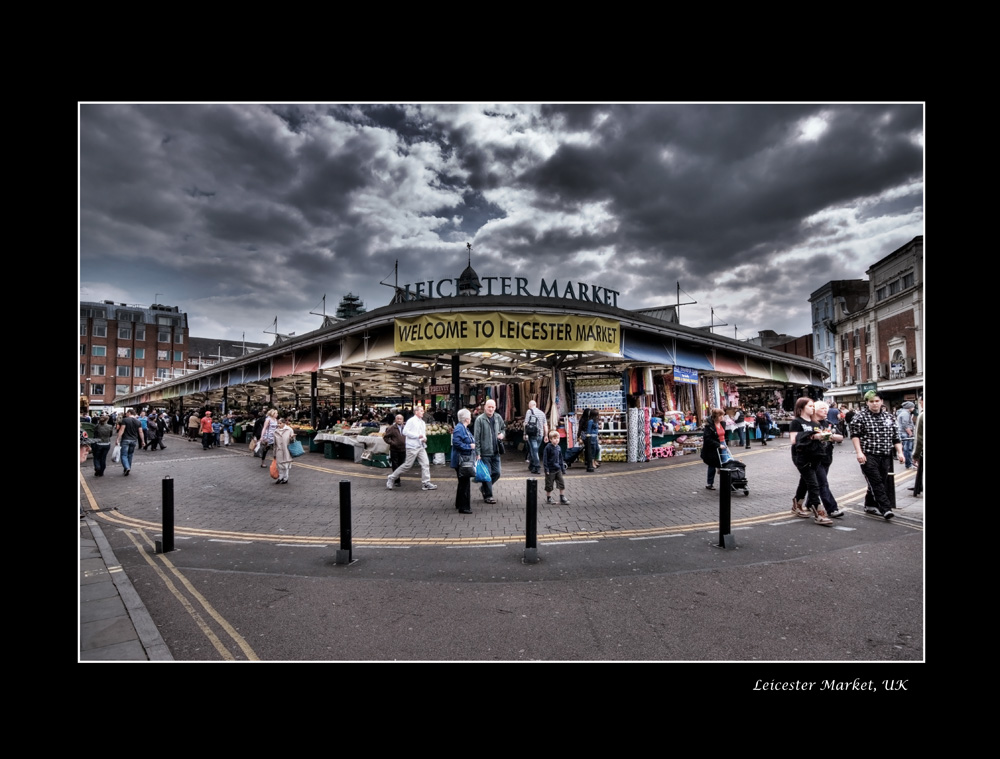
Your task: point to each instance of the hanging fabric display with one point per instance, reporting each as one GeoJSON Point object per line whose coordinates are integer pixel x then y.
{"type": "Point", "coordinates": [647, 432]}
{"type": "Point", "coordinates": [635, 435]}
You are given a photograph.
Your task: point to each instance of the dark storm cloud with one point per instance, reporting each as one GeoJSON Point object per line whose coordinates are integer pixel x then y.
{"type": "Point", "coordinates": [672, 173]}
{"type": "Point", "coordinates": [227, 206]}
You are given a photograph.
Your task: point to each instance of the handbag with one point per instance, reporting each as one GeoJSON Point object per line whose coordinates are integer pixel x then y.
{"type": "Point", "coordinates": [274, 469]}
{"type": "Point", "coordinates": [466, 465]}
{"type": "Point", "coordinates": [500, 448]}
{"type": "Point", "coordinates": [295, 449]}
{"type": "Point", "coordinates": [116, 455]}
{"type": "Point", "coordinates": [253, 445]}
{"type": "Point", "coordinates": [482, 471]}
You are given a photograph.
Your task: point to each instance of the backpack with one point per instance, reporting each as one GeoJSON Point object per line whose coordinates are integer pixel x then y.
{"type": "Point", "coordinates": [531, 428]}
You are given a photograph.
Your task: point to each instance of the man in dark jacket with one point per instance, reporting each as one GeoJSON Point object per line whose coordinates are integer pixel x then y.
{"type": "Point", "coordinates": [396, 441]}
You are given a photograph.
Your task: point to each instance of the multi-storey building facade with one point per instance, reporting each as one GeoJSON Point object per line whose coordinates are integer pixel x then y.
{"type": "Point", "coordinates": [830, 302]}
{"type": "Point", "coordinates": [879, 342]}
{"type": "Point", "coordinates": [126, 347]}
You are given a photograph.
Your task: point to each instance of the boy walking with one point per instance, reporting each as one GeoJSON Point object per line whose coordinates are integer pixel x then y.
{"type": "Point", "coordinates": [552, 461]}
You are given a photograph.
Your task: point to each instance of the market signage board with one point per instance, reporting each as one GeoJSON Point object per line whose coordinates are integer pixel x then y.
{"type": "Point", "coordinates": [685, 375]}
{"type": "Point", "coordinates": [497, 330]}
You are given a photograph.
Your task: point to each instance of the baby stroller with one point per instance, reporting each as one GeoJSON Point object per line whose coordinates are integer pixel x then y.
{"type": "Point", "coordinates": [737, 472]}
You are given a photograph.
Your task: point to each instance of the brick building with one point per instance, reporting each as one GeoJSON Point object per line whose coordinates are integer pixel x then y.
{"type": "Point", "coordinates": [879, 339]}
{"type": "Point", "coordinates": [124, 347]}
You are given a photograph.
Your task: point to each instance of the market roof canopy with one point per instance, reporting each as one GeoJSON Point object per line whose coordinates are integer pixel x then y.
{"type": "Point", "coordinates": [652, 350]}
{"type": "Point", "coordinates": [692, 359]}
{"type": "Point", "coordinates": [728, 364]}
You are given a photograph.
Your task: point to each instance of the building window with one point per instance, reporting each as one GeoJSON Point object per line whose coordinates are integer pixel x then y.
{"type": "Point", "coordinates": [99, 350]}
{"type": "Point", "coordinates": [139, 371]}
{"type": "Point", "coordinates": [179, 338]}
{"type": "Point", "coordinates": [100, 330]}
{"type": "Point", "coordinates": [123, 371]}
{"type": "Point", "coordinates": [83, 329]}
{"type": "Point", "coordinates": [880, 294]}
{"type": "Point", "coordinates": [124, 333]}
{"type": "Point", "coordinates": [83, 368]}
{"type": "Point", "coordinates": [857, 339]}
{"type": "Point", "coordinates": [124, 353]}
{"type": "Point", "coordinates": [97, 370]}
{"type": "Point", "coordinates": [857, 369]}
{"type": "Point", "coordinates": [178, 355]}
{"type": "Point", "coordinates": [163, 373]}
{"type": "Point", "coordinates": [140, 353]}
{"type": "Point", "coordinates": [868, 334]}
{"type": "Point", "coordinates": [894, 287]}
{"type": "Point", "coordinates": [140, 333]}
{"type": "Point", "coordinates": [122, 389]}
{"type": "Point", "coordinates": [83, 349]}
{"type": "Point", "coordinates": [161, 355]}
{"type": "Point", "coordinates": [93, 313]}
{"type": "Point", "coordinates": [868, 369]}
{"type": "Point", "coordinates": [97, 389]}
{"type": "Point", "coordinates": [847, 371]}
{"type": "Point", "coordinates": [163, 337]}
{"type": "Point", "coordinates": [907, 280]}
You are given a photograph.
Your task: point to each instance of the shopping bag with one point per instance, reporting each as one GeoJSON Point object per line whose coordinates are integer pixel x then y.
{"type": "Point", "coordinates": [116, 455]}
{"type": "Point", "coordinates": [482, 471]}
{"type": "Point", "coordinates": [466, 466]}
{"type": "Point", "coordinates": [253, 445]}
{"type": "Point", "coordinates": [274, 469]}
{"type": "Point", "coordinates": [295, 449]}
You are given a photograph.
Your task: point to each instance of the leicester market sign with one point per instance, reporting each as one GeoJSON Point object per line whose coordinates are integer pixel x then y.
{"type": "Point", "coordinates": [497, 330]}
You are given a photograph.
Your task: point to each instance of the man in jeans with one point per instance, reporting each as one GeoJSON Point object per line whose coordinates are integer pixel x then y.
{"type": "Point", "coordinates": [489, 433]}
{"type": "Point", "coordinates": [536, 432]}
{"type": "Point", "coordinates": [129, 436]}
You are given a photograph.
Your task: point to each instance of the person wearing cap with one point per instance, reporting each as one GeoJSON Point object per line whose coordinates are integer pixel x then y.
{"type": "Point", "coordinates": [875, 437]}
{"type": "Point", "coordinates": [904, 419]}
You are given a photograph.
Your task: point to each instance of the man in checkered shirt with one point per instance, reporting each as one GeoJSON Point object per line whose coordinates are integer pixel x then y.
{"type": "Point", "coordinates": [875, 435]}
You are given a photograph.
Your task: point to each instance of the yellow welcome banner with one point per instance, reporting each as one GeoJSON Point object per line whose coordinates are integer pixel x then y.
{"type": "Point", "coordinates": [495, 330]}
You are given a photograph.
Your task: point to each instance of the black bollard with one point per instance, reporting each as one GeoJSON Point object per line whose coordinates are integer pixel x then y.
{"type": "Point", "coordinates": [531, 523]}
{"type": "Point", "coordinates": [891, 481]}
{"type": "Point", "coordinates": [344, 553]}
{"type": "Point", "coordinates": [166, 542]}
{"type": "Point", "coordinates": [726, 539]}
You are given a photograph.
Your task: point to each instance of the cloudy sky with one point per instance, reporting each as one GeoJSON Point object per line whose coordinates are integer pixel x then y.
{"type": "Point", "coordinates": [240, 213]}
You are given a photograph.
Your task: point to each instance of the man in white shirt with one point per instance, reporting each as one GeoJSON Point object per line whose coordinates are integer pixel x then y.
{"type": "Point", "coordinates": [415, 433]}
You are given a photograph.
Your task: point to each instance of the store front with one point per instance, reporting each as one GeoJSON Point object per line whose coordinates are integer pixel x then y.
{"type": "Point", "coordinates": [568, 353]}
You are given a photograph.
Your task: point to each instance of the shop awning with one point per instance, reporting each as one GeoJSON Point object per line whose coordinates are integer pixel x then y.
{"type": "Point", "coordinates": [646, 349]}
{"type": "Point", "coordinates": [757, 369]}
{"type": "Point", "coordinates": [692, 359]}
{"type": "Point", "coordinates": [378, 347]}
{"type": "Point", "coordinates": [779, 372]}
{"type": "Point", "coordinates": [282, 366]}
{"type": "Point", "coordinates": [798, 377]}
{"type": "Point", "coordinates": [307, 361]}
{"type": "Point", "coordinates": [729, 364]}
{"type": "Point", "coordinates": [331, 356]}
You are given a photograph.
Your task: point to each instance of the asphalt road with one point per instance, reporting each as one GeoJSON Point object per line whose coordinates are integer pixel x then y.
{"type": "Point", "coordinates": [630, 571]}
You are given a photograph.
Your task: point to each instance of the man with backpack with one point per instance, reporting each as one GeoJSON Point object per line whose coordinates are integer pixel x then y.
{"type": "Point", "coordinates": [536, 432]}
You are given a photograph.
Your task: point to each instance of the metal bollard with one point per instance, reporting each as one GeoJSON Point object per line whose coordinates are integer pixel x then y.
{"type": "Point", "coordinates": [344, 553]}
{"type": "Point", "coordinates": [726, 539]}
{"type": "Point", "coordinates": [166, 542]}
{"type": "Point", "coordinates": [891, 481]}
{"type": "Point", "coordinates": [531, 523]}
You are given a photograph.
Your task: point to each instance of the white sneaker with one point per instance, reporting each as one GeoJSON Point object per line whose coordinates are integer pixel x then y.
{"type": "Point", "coordinates": [428, 486]}
{"type": "Point", "coordinates": [388, 483]}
